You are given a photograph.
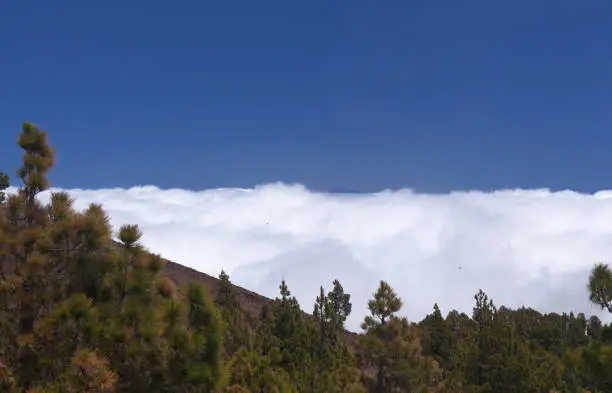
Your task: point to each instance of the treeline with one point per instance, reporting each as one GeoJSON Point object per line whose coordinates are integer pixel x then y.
{"type": "Point", "coordinates": [78, 314]}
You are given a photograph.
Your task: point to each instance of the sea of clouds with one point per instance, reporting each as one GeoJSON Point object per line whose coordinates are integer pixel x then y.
{"type": "Point", "coordinates": [522, 247]}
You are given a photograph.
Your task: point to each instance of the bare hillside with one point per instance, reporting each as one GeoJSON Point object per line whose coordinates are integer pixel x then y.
{"type": "Point", "coordinates": [250, 301]}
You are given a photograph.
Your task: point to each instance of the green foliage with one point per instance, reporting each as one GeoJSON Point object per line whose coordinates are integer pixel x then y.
{"type": "Point", "coordinates": [4, 184]}
{"type": "Point", "coordinates": [38, 157]}
{"type": "Point", "coordinates": [238, 325]}
{"type": "Point", "coordinates": [437, 338]}
{"type": "Point", "coordinates": [382, 307]}
{"type": "Point", "coordinates": [390, 347]}
{"type": "Point", "coordinates": [78, 313]}
{"type": "Point", "coordinates": [82, 313]}
{"type": "Point", "coordinates": [340, 303]}
{"type": "Point", "coordinates": [327, 320]}
{"type": "Point", "coordinates": [258, 373]}
{"type": "Point", "coordinates": [600, 286]}
{"type": "Point", "coordinates": [129, 235]}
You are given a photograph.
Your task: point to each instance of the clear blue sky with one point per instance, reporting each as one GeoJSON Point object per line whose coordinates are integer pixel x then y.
{"type": "Point", "coordinates": [353, 95]}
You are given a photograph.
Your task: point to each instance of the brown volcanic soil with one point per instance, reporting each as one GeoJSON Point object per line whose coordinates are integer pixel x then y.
{"type": "Point", "coordinates": [250, 301]}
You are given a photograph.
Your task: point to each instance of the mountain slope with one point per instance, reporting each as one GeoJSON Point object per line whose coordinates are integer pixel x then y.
{"type": "Point", "coordinates": [250, 301]}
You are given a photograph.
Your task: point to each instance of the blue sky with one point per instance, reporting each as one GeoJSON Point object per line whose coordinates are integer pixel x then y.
{"type": "Point", "coordinates": [357, 95]}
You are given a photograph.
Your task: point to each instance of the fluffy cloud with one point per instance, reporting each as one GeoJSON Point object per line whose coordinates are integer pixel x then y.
{"type": "Point", "coordinates": [522, 247]}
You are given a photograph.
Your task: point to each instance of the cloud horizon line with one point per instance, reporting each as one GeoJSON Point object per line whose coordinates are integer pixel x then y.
{"type": "Point", "coordinates": [601, 193]}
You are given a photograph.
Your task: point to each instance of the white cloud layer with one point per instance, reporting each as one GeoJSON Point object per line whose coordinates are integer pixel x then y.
{"type": "Point", "coordinates": [522, 247]}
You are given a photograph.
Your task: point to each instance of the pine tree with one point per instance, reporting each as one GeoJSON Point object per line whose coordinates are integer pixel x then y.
{"type": "Point", "coordinates": [484, 310]}
{"type": "Point", "coordinates": [382, 307]}
{"type": "Point", "coordinates": [286, 333]}
{"type": "Point", "coordinates": [238, 325]}
{"type": "Point", "coordinates": [324, 316]}
{"type": "Point", "coordinates": [207, 325]}
{"type": "Point", "coordinates": [78, 313]}
{"type": "Point", "coordinates": [437, 338]}
{"type": "Point", "coordinates": [600, 286]}
{"type": "Point", "coordinates": [340, 303]}
{"type": "Point", "coordinates": [38, 157]}
{"type": "Point", "coordinates": [390, 347]}
{"type": "Point", "coordinates": [225, 293]}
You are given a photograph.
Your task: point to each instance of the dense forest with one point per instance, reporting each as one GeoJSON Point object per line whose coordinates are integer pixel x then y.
{"type": "Point", "coordinates": [86, 309]}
